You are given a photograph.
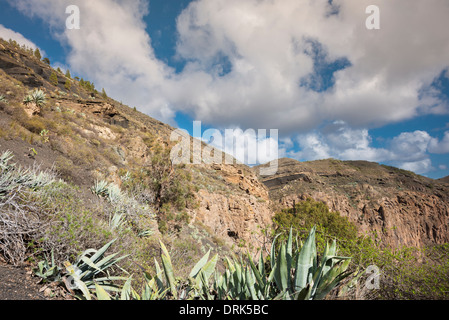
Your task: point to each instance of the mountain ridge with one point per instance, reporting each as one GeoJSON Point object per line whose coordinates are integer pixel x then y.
{"type": "Point", "coordinates": [401, 207]}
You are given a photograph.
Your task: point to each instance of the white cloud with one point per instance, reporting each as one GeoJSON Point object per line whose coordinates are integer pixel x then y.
{"type": "Point", "coordinates": [251, 146]}
{"type": "Point", "coordinates": [409, 150]}
{"type": "Point", "coordinates": [337, 140]}
{"type": "Point", "coordinates": [7, 34]}
{"type": "Point", "coordinates": [263, 44]}
{"type": "Point", "coordinates": [440, 147]}
{"type": "Point", "coordinates": [410, 145]}
{"type": "Point", "coordinates": [419, 167]}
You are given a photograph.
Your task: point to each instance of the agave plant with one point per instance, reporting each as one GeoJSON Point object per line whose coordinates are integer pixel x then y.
{"type": "Point", "coordinates": [48, 271]}
{"type": "Point", "coordinates": [108, 190]}
{"type": "Point", "coordinates": [82, 276]}
{"type": "Point", "coordinates": [301, 276]}
{"type": "Point", "coordinates": [5, 157]}
{"type": "Point", "coordinates": [164, 285]}
{"type": "Point", "coordinates": [114, 193]}
{"type": "Point", "coordinates": [295, 274]}
{"type": "Point", "coordinates": [37, 97]}
{"type": "Point", "coordinates": [116, 220]}
{"type": "Point", "coordinates": [100, 188]}
{"type": "Point", "coordinates": [14, 178]}
{"type": "Point", "coordinates": [192, 287]}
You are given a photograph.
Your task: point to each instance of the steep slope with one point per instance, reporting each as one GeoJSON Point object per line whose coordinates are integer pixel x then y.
{"type": "Point", "coordinates": [445, 180]}
{"type": "Point", "coordinates": [86, 136]}
{"type": "Point", "coordinates": [402, 208]}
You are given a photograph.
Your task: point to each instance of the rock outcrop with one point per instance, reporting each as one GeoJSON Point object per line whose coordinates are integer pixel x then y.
{"type": "Point", "coordinates": [236, 207]}
{"type": "Point", "coordinates": [400, 207]}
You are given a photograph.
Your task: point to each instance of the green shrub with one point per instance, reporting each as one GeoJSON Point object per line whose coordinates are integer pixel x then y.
{"type": "Point", "coordinates": [35, 125]}
{"type": "Point", "coordinates": [68, 85]}
{"type": "Point", "coordinates": [37, 54]}
{"type": "Point", "coordinates": [308, 213]}
{"type": "Point", "coordinates": [54, 79]}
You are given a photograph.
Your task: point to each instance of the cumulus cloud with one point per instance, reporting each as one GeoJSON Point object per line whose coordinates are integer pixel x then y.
{"type": "Point", "coordinates": [268, 45]}
{"type": "Point", "coordinates": [409, 150]}
{"type": "Point", "coordinates": [440, 147]}
{"type": "Point", "coordinates": [7, 34]}
{"type": "Point", "coordinates": [250, 63]}
{"type": "Point", "coordinates": [250, 146]}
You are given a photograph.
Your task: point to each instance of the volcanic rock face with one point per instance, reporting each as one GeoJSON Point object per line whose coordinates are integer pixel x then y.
{"type": "Point", "coordinates": [237, 208]}
{"type": "Point", "coordinates": [401, 208]}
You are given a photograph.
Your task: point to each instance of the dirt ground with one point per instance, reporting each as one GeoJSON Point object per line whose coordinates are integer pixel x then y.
{"type": "Point", "coordinates": [18, 283]}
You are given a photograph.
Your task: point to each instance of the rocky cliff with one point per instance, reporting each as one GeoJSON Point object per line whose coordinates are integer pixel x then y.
{"type": "Point", "coordinates": [235, 205]}
{"type": "Point", "coordinates": [400, 207]}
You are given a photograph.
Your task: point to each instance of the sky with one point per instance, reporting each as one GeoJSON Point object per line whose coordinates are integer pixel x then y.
{"type": "Point", "coordinates": [332, 87]}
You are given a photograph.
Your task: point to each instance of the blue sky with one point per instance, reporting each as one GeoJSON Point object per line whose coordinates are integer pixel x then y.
{"type": "Point", "coordinates": [313, 71]}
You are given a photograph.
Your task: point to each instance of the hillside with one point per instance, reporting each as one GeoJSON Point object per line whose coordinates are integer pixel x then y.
{"type": "Point", "coordinates": [445, 179]}
{"type": "Point", "coordinates": [402, 208]}
{"type": "Point", "coordinates": [85, 137]}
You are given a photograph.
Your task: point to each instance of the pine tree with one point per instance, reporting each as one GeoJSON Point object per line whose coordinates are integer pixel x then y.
{"type": "Point", "coordinates": [103, 93]}
{"type": "Point", "coordinates": [68, 84]}
{"type": "Point", "coordinates": [37, 53]}
{"type": "Point", "coordinates": [68, 75]}
{"type": "Point", "coordinates": [54, 79]}
{"type": "Point", "coordinates": [46, 60]}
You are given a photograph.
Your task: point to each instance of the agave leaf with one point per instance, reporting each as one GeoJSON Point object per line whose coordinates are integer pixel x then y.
{"type": "Point", "coordinates": [304, 294]}
{"type": "Point", "coordinates": [110, 278]}
{"type": "Point", "coordinates": [126, 290]}
{"type": "Point", "coordinates": [259, 277]}
{"type": "Point", "coordinates": [289, 249]}
{"type": "Point", "coordinates": [90, 263]}
{"type": "Point", "coordinates": [305, 262]}
{"type": "Point", "coordinates": [209, 267]}
{"type": "Point", "coordinates": [197, 268]}
{"type": "Point", "coordinates": [101, 251]}
{"type": "Point", "coordinates": [82, 286]}
{"type": "Point", "coordinates": [165, 251]}
{"type": "Point", "coordinates": [159, 281]}
{"type": "Point", "coordinates": [281, 274]}
{"type": "Point", "coordinates": [101, 293]}
{"type": "Point", "coordinates": [168, 270]}
{"type": "Point", "coordinates": [319, 273]}
{"type": "Point", "coordinates": [273, 252]}
{"type": "Point", "coordinates": [262, 266]}
{"type": "Point", "coordinates": [238, 273]}
{"type": "Point", "coordinates": [329, 251]}
{"type": "Point", "coordinates": [230, 264]}
{"type": "Point", "coordinates": [323, 290]}
{"type": "Point", "coordinates": [146, 292]}
{"type": "Point", "coordinates": [250, 282]}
